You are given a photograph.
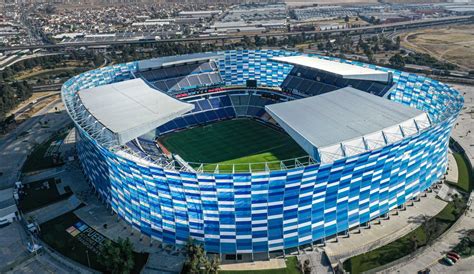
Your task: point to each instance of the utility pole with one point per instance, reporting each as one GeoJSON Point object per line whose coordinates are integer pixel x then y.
{"type": "Point", "coordinates": [88, 261]}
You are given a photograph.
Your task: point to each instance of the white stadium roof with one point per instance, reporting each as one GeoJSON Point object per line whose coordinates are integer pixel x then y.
{"type": "Point", "coordinates": [131, 108]}
{"type": "Point", "coordinates": [346, 122]}
{"type": "Point", "coordinates": [176, 60]}
{"type": "Point", "coordinates": [343, 70]}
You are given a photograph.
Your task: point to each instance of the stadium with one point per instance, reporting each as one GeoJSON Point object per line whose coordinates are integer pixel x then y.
{"type": "Point", "coordinates": [258, 151]}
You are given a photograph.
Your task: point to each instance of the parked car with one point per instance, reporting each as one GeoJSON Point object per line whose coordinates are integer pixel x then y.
{"type": "Point", "coordinates": [454, 259]}
{"type": "Point", "coordinates": [448, 261]}
{"type": "Point", "coordinates": [34, 247]}
{"type": "Point", "coordinates": [425, 271]}
{"type": "Point", "coordinates": [454, 254]}
{"type": "Point", "coordinates": [4, 223]}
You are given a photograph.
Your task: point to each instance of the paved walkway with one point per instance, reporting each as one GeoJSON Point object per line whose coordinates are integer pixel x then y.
{"type": "Point", "coordinates": [257, 265]}
{"type": "Point", "coordinates": [44, 262]}
{"type": "Point", "coordinates": [317, 262]}
{"type": "Point", "coordinates": [462, 266]}
{"type": "Point", "coordinates": [13, 243]}
{"type": "Point", "coordinates": [16, 146]}
{"type": "Point", "coordinates": [162, 263]}
{"type": "Point", "coordinates": [430, 257]}
{"type": "Point", "coordinates": [49, 212]}
{"type": "Point", "coordinates": [96, 215]}
{"type": "Point", "coordinates": [452, 172]}
{"type": "Point", "coordinates": [463, 133]}
{"type": "Point", "coordinates": [385, 232]}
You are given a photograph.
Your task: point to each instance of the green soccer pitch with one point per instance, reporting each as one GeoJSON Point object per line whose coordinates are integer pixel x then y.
{"type": "Point", "coordinates": [233, 144]}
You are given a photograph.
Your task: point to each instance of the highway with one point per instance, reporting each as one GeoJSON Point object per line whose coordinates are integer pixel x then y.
{"type": "Point", "coordinates": [29, 106]}
{"type": "Point", "coordinates": [13, 61]}
{"type": "Point", "coordinates": [352, 31]}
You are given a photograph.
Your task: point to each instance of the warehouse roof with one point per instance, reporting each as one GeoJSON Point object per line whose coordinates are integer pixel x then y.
{"type": "Point", "coordinates": [343, 70]}
{"type": "Point", "coordinates": [333, 120]}
{"type": "Point", "coordinates": [131, 108]}
{"type": "Point", "coordinates": [176, 60]}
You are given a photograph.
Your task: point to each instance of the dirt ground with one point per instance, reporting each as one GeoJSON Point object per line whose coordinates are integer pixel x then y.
{"type": "Point", "coordinates": [453, 44]}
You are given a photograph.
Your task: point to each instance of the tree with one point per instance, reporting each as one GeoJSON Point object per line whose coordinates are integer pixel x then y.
{"type": "Point", "coordinates": [430, 227]}
{"type": "Point", "coordinates": [347, 19]}
{"type": "Point", "coordinates": [117, 257]}
{"type": "Point", "coordinates": [258, 41]}
{"type": "Point", "coordinates": [397, 42]}
{"type": "Point", "coordinates": [246, 41]}
{"type": "Point", "coordinates": [212, 265]}
{"type": "Point", "coordinates": [197, 260]}
{"type": "Point", "coordinates": [397, 61]}
{"type": "Point", "coordinates": [370, 55]}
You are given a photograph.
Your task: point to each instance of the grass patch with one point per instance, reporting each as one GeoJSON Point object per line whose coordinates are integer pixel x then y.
{"type": "Point", "coordinates": [447, 214]}
{"type": "Point", "coordinates": [291, 268]}
{"type": "Point", "coordinates": [55, 235]}
{"type": "Point", "coordinates": [229, 142]}
{"type": "Point", "coordinates": [463, 173]}
{"type": "Point", "coordinates": [407, 244]}
{"type": "Point", "coordinates": [39, 194]}
{"type": "Point", "coordinates": [44, 73]}
{"type": "Point", "coordinates": [37, 159]}
{"type": "Point", "coordinates": [385, 254]}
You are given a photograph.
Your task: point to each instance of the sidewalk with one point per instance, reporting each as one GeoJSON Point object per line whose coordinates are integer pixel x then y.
{"type": "Point", "coordinates": [429, 257]}
{"type": "Point", "coordinates": [385, 232]}
{"type": "Point", "coordinates": [257, 265]}
{"type": "Point", "coordinates": [18, 144]}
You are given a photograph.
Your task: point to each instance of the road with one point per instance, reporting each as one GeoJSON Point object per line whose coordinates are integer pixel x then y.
{"type": "Point", "coordinates": [356, 31]}
{"type": "Point", "coordinates": [20, 111]}
{"type": "Point", "coordinates": [18, 144]}
{"type": "Point", "coordinates": [4, 65]}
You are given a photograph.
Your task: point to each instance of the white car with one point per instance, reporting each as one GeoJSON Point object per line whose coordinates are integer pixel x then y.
{"type": "Point", "coordinates": [34, 247]}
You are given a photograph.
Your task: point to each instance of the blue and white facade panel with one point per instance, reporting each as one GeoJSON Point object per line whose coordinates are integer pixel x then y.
{"type": "Point", "coordinates": [269, 211]}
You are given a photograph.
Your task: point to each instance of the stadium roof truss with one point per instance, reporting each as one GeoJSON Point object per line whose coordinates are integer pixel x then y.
{"type": "Point", "coordinates": [346, 122]}
{"type": "Point", "coordinates": [117, 113]}
{"type": "Point", "coordinates": [346, 71]}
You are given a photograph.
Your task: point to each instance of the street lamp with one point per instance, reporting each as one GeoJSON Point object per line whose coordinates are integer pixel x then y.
{"type": "Point", "coordinates": [88, 261]}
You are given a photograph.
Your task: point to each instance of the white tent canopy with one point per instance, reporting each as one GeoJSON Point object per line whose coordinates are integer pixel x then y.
{"type": "Point", "coordinates": [343, 70]}
{"type": "Point", "coordinates": [131, 108]}
{"type": "Point", "coordinates": [346, 122]}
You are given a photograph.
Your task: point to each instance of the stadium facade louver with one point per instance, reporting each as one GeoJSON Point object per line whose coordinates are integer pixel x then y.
{"type": "Point", "coordinates": [269, 210]}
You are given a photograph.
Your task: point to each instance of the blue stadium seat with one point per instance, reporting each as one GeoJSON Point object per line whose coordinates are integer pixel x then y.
{"type": "Point", "coordinates": [211, 115]}
{"type": "Point", "coordinates": [171, 83]}
{"type": "Point", "coordinates": [215, 102]}
{"type": "Point", "coordinates": [221, 113]}
{"type": "Point", "coordinates": [261, 111]}
{"type": "Point", "coordinates": [196, 106]}
{"type": "Point", "coordinates": [183, 77]}
{"type": "Point", "coordinates": [161, 85]}
{"type": "Point", "coordinates": [215, 78]}
{"type": "Point", "coordinates": [205, 79]}
{"type": "Point", "coordinates": [204, 104]}
{"type": "Point", "coordinates": [230, 112]}
{"type": "Point", "coordinates": [190, 119]}
{"type": "Point", "coordinates": [252, 111]}
{"type": "Point", "coordinates": [225, 101]}
{"type": "Point", "coordinates": [180, 122]}
{"type": "Point", "coordinates": [194, 81]}
{"type": "Point", "coordinates": [201, 118]}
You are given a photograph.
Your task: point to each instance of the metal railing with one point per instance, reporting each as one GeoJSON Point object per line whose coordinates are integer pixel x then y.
{"type": "Point", "coordinates": [253, 167]}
